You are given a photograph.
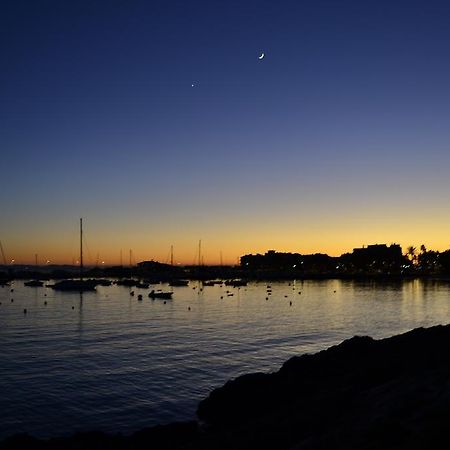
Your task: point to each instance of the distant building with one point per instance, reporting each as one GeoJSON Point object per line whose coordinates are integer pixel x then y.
{"type": "Point", "coordinates": [376, 257]}
{"type": "Point", "coordinates": [273, 260]}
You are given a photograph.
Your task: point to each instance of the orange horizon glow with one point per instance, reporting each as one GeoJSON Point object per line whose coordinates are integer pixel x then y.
{"type": "Point", "coordinates": [210, 256]}
{"type": "Point", "coordinates": [303, 232]}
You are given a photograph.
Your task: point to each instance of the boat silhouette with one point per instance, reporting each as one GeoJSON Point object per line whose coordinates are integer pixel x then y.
{"type": "Point", "coordinates": [165, 295]}
{"type": "Point", "coordinates": [34, 283]}
{"type": "Point", "coordinates": [235, 283]}
{"type": "Point", "coordinates": [79, 285]}
{"type": "Point", "coordinates": [179, 283]}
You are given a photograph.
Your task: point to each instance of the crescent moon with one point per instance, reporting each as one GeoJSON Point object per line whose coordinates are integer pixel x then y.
{"type": "Point", "coordinates": [262, 56]}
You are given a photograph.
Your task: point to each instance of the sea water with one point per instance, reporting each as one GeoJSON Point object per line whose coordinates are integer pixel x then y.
{"type": "Point", "coordinates": [106, 361]}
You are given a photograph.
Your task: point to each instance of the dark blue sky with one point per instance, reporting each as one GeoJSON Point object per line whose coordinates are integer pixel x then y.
{"type": "Point", "coordinates": [338, 137]}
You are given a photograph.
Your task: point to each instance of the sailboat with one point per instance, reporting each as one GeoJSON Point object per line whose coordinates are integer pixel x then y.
{"type": "Point", "coordinates": [36, 282]}
{"type": "Point", "coordinates": [80, 285]}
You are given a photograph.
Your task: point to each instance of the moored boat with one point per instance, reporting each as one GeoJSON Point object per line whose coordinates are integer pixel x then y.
{"type": "Point", "coordinates": [179, 283]}
{"type": "Point", "coordinates": [129, 282]}
{"type": "Point", "coordinates": [75, 285]}
{"type": "Point", "coordinates": [212, 282]}
{"type": "Point", "coordinates": [34, 283]}
{"type": "Point", "coordinates": [165, 295]}
{"type": "Point", "coordinates": [79, 285]}
{"type": "Point", "coordinates": [235, 283]}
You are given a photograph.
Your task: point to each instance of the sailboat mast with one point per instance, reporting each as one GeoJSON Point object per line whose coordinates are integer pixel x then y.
{"type": "Point", "coordinates": [3, 254]}
{"type": "Point", "coordinates": [81, 248]}
{"type": "Point", "coordinates": [171, 255]}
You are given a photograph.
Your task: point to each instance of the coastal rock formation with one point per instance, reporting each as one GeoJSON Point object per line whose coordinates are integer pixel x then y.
{"type": "Point", "coordinates": [361, 394]}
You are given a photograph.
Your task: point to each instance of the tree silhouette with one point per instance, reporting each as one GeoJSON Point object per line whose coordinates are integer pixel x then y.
{"type": "Point", "coordinates": [411, 253]}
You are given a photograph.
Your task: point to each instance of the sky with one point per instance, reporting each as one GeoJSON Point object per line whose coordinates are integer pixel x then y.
{"type": "Point", "coordinates": [157, 123]}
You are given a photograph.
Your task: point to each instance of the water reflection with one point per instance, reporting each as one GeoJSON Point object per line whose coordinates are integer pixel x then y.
{"type": "Point", "coordinates": [80, 314]}
{"type": "Point", "coordinates": [118, 364]}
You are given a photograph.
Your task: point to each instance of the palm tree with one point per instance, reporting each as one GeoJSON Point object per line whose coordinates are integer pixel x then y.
{"type": "Point", "coordinates": [411, 253]}
{"type": "Point", "coordinates": [423, 249]}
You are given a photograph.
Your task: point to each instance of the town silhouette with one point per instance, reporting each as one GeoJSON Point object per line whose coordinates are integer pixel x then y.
{"type": "Point", "coordinates": [375, 260]}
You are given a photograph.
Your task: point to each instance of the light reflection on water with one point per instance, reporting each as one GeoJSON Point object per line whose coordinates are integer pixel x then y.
{"type": "Point", "coordinates": [118, 364]}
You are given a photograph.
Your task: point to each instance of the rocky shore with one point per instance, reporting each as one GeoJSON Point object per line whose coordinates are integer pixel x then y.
{"type": "Point", "coordinates": [392, 393]}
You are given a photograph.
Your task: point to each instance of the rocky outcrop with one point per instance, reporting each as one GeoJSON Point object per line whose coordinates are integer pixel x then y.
{"type": "Point", "coordinates": [361, 394]}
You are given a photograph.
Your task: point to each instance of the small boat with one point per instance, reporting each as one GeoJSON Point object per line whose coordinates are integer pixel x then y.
{"type": "Point", "coordinates": [179, 283]}
{"type": "Point", "coordinates": [142, 285]}
{"type": "Point", "coordinates": [74, 285]}
{"type": "Point", "coordinates": [166, 295]}
{"type": "Point", "coordinates": [81, 284]}
{"type": "Point", "coordinates": [235, 283]}
{"type": "Point", "coordinates": [212, 282]}
{"type": "Point", "coordinates": [34, 283]}
{"type": "Point", "coordinates": [127, 282]}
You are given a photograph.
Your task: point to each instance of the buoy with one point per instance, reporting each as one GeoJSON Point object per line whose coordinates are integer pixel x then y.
{"type": "Point", "coordinates": [165, 302]}
{"type": "Point", "coordinates": [189, 308]}
{"type": "Point", "coordinates": [267, 298]}
{"type": "Point", "coordinates": [25, 311]}
{"type": "Point", "coordinates": [285, 296]}
{"type": "Point", "coordinates": [45, 295]}
{"type": "Point", "coordinates": [290, 303]}
{"type": "Point", "coordinates": [12, 290]}
{"type": "Point", "coordinates": [132, 293]}
{"type": "Point", "coordinates": [45, 303]}
{"type": "Point", "coordinates": [140, 297]}
{"type": "Point", "coordinates": [12, 300]}
{"type": "Point", "coordinates": [73, 307]}
{"type": "Point", "coordinates": [221, 296]}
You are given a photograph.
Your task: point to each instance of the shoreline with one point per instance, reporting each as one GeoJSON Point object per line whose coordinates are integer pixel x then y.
{"type": "Point", "coordinates": [261, 277]}
{"type": "Point", "coordinates": [361, 393]}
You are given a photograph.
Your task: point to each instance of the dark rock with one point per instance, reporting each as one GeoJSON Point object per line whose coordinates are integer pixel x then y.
{"type": "Point", "coordinates": [363, 393]}
{"type": "Point", "coordinates": [165, 437]}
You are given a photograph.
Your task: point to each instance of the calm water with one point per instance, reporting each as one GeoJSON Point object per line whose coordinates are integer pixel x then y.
{"type": "Point", "coordinates": [117, 364]}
